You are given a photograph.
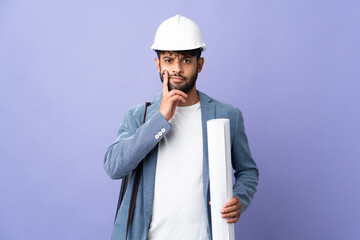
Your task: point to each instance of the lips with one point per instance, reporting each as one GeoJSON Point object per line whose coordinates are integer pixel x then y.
{"type": "Point", "coordinates": [177, 79]}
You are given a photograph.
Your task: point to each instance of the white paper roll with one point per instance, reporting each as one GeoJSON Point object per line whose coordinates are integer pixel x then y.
{"type": "Point", "coordinates": [220, 170]}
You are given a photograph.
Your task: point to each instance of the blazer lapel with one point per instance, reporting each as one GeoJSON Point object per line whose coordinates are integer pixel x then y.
{"type": "Point", "coordinates": [207, 112]}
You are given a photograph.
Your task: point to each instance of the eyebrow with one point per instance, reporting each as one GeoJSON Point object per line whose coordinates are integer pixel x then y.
{"type": "Point", "coordinates": [187, 56]}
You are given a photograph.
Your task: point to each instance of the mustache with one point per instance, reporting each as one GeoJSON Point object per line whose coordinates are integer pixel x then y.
{"type": "Point", "coordinates": [177, 75]}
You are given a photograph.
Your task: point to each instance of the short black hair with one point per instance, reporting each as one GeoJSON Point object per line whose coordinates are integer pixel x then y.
{"type": "Point", "coordinates": [194, 52]}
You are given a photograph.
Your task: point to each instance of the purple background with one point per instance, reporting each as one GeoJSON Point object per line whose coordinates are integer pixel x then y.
{"type": "Point", "coordinates": [70, 69]}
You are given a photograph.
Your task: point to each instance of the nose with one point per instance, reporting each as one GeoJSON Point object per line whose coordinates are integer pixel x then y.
{"type": "Point", "coordinates": [177, 68]}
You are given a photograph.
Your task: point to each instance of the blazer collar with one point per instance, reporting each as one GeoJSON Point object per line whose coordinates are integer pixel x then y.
{"type": "Point", "coordinates": [206, 104]}
{"type": "Point", "coordinates": [202, 96]}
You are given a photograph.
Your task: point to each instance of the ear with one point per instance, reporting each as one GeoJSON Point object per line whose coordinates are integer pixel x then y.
{"type": "Point", "coordinates": [157, 64]}
{"type": "Point", "coordinates": [200, 64]}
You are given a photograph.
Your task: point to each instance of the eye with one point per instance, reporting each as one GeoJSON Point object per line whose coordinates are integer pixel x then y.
{"type": "Point", "coordinates": [167, 60]}
{"type": "Point", "coordinates": [186, 60]}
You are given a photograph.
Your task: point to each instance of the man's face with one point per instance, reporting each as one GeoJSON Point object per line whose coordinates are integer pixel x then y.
{"type": "Point", "coordinates": [182, 69]}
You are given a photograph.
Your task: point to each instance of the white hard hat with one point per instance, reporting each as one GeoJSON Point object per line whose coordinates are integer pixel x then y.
{"type": "Point", "coordinates": [178, 33]}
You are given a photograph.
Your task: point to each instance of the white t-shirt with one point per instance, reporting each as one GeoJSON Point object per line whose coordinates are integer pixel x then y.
{"type": "Point", "coordinates": [178, 208]}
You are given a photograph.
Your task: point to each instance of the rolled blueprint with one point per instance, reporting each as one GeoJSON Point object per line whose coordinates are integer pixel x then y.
{"type": "Point", "coordinates": [220, 170]}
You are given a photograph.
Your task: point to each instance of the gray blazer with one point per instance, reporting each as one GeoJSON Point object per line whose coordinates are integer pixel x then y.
{"type": "Point", "coordinates": [139, 142]}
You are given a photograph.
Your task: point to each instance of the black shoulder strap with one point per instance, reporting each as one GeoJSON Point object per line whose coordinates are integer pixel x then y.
{"type": "Point", "coordinates": [124, 184]}
{"type": "Point", "coordinates": [135, 185]}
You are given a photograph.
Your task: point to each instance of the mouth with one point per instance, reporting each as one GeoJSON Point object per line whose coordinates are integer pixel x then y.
{"type": "Point", "coordinates": [177, 79]}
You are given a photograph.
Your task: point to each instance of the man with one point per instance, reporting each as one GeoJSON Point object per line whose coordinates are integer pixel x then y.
{"type": "Point", "coordinates": [173, 195]}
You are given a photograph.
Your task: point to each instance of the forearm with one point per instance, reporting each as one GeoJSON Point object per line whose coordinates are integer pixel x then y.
{"type": "Point", "coordinates": [132, 145]}
{"type": "Point", "coordinates": [245, 186]}
{"type": "Point", "coordinates": [246, 172]}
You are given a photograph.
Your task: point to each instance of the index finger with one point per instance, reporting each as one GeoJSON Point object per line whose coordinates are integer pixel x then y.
{"type": "Point", "coordinates": [166, 82]}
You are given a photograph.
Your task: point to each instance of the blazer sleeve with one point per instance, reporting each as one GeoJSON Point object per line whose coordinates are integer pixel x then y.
{"type": "Point", "coordinates": [246, 172]}
{"type": "Point", "coordinates": [133, 143]}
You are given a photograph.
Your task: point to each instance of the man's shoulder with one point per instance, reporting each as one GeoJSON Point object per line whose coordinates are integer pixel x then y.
{"type": "Point", "coordinates": [222, 108]}
{"type": "Point", "coordinates": [138, 110]}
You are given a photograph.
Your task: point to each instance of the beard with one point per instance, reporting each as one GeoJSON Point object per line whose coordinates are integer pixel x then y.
{"type": "Point", "coordinates": [185, 86]}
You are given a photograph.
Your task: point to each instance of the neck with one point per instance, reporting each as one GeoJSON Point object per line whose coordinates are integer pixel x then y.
{"type": "Point", "coordinates": [193, 98]}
